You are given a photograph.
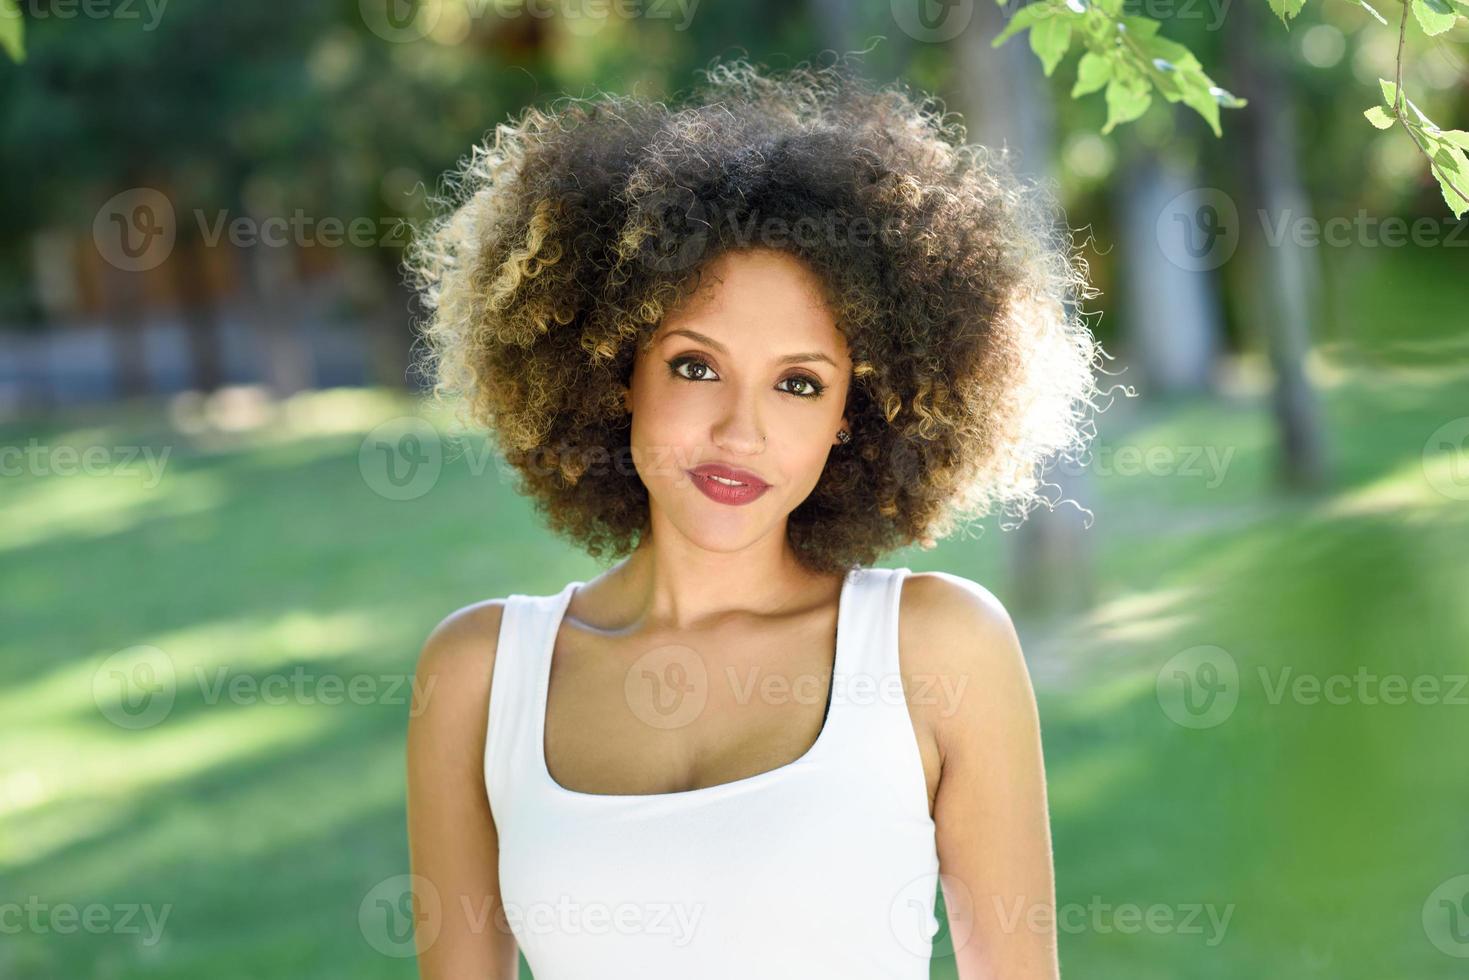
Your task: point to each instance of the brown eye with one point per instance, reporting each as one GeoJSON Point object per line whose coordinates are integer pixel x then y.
{"type": "Point", "coordinates": [693, 364]}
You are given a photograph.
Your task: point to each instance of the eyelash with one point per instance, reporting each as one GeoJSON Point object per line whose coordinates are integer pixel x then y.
{"type": "Point", "coordinates": [677, 362]}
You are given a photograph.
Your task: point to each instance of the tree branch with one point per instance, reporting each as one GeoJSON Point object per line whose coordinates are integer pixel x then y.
{"type": "Point", "coordinates": [1397, 108]}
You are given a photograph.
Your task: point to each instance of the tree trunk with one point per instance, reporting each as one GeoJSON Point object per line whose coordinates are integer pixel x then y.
{"type": "Point", "coordinates": [1170, 312]}
{"type": "Point", "coordinates": [123, 313]}
{"type": "Point", "coordinates": [288, 364]}
{"type": "Point", "coordinates": [1287, 272]}
{"type": "Point", "coordinates": [201, 322]}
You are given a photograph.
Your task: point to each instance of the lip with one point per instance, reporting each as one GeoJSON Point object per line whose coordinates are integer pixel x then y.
{"type": "Point", "coordinates": [752, 487]}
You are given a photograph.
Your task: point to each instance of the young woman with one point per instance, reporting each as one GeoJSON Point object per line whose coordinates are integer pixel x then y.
{"type": "Point", "coordinates": [746, 346]}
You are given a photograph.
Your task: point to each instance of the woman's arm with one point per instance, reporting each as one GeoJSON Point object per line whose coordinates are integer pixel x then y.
{"type": "Point", "coordinates": [453, 847]}
{"type": "Point", "coordinates": [993, 832]}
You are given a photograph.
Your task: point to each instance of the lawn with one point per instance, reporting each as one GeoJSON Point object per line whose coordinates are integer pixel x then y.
{"type": "Point", "coordinates": [1291, 837]}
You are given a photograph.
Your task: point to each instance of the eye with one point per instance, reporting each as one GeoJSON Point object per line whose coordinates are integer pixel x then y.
{"type": "Point", "coordinates": [814, 388]}
{"type": "Point", "coordinates": [693, 364]}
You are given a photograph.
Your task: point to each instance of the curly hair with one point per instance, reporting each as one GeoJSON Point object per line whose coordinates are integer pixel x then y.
{"type": "Point", "coordinates": [564, 242]}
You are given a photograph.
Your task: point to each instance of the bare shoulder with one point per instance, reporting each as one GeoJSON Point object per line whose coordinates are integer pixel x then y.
{"type": "Point", "coordinates": [957, 635]}
{"type": "Point", "coordinates": [956, 621]}
{"type": "Point", "coordinates": [468, 635]}
{"type": "Point", "coordinates": [457, 661]}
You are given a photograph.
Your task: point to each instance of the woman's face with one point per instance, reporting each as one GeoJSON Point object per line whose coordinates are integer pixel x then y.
{"type": "Point", "coordinates": [752, 373]}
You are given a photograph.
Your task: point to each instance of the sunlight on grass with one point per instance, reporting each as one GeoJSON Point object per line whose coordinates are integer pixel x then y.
{"type": "Point", "coordinates": [92, 760]}
{"type": "Point", "coordinates": [97, 481]}
{"type": "Point", "coordinates": [1111, 634]}
{"type": "Point", "coordinates": [249, 409]}
{"type": "Point", "coordinates": [44, 508]}
{"type": "Point", "coordinates": [1142, 617]}
{"type": "Point", "coordinates": [201, 659]}
{"type": "Point", "coordinates": [1415, 491]}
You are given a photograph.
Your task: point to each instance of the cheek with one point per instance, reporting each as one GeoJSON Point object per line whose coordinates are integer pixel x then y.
{"type": "Point", "coordinates": [815, 456]}
{"type": "Point", "coordinates": [804, 450]}
{"type": "Point", "coordinates": [660, 416]}
{"type": "Point", "coordinates": [665, 433]}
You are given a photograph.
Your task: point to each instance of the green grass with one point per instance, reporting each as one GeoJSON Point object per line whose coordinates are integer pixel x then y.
{"type": "Point", "coordinates": [1320, 829]}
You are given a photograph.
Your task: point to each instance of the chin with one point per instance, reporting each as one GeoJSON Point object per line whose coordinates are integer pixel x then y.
{"type": "Point", "coordinates": [719, 527]}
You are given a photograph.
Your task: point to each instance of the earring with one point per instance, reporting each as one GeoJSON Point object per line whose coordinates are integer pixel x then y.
{"type": "Point", "coordinates": [843, 436]}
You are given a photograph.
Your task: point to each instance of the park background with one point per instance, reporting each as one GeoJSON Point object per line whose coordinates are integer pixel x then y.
{"type": "Point", "coordinates": [1271, 523]}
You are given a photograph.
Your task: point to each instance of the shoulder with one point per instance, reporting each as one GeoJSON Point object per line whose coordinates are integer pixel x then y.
{"type": "Point", "coordinates": [455, 665]}
{"type": "Point", "coordinates": [464, 641]}
{"type": "Point", "coordinates": [956, 618]}
{"type": "Point", "coordinates": [958, 640]}
{"type": "Point", "coordinates": [469, 633]}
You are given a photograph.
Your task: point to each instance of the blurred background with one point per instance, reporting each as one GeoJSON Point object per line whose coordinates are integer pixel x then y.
{"type": "Point", "coordinates": [228, 521]}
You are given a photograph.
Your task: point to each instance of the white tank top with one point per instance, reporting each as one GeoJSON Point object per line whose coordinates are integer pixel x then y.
{"type": "Point", "coordinates": [826, 866]}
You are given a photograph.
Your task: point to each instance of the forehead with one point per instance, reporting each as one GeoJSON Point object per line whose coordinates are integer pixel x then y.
{"type": "Point", "coordinates": [763, 296]}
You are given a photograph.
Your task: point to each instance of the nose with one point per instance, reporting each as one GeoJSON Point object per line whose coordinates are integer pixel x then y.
{"type": "Point", "coordinates": [738, 430]}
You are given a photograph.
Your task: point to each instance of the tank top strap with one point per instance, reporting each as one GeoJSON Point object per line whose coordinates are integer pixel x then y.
{"type": "Point", "coordinates": [522, 656]}
{"type": "Point", "coordinates": [879, 741]}
{"type": "Point", "coordinates": [871, 642]}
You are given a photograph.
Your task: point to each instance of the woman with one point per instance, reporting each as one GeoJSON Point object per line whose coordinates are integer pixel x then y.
{"type": "Point", "coordinates": [746, 346]}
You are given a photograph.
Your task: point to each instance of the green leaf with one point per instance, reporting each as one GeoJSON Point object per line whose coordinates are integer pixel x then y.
{"type": "Point", "coordinates": [1027, 16]}
{"type": "Point", "coordinates": [1286, 9]}
{"type": "Point", "coordinates": [1138, 27]}
{"type": "Point", "coordinates": [1049, 39]}
{"type": "Point", "coordinates": [1458, 137]}
{"type": "Point", "coordinates": [1166, 79]}
{"type": "Point", "coordinates": [1197, 95]}
{"type": "Point", "coordinates": [1434, 16]}
{"type": "Point", "coordinates": [1176, 55]}
{"type": "Point", "coordinates": [1126, 101]}
{"type": "Point", "coordinates": [1092, 72]}
{"type": "Point", "coordinates": [1380, 117]}
{"type": "Point", "coordinates": [1416, 118]}
{"type": "Point", "coordinates": [1452, 167]}
{"type": "Point", "coordinates": [12, 30]}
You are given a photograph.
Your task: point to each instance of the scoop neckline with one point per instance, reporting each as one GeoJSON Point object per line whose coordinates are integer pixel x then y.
{"type": "Point", "coordinates": [839, 666]}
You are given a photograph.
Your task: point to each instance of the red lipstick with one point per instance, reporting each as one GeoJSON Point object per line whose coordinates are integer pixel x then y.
{"type": "Point", "coordinates": [727, 484]}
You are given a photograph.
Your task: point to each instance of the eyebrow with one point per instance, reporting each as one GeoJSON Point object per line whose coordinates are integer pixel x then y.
{"type": "Point", "coordinates": [711, 342]}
